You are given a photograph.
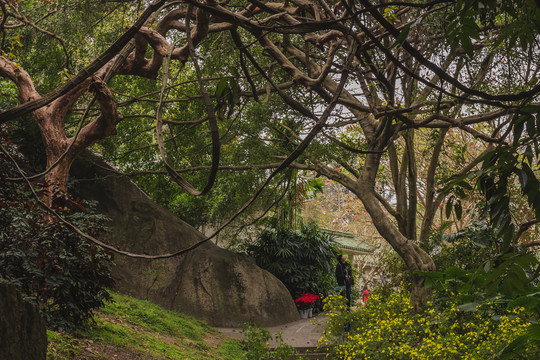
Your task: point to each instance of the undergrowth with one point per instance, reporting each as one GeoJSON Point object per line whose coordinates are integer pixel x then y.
{"type": "Point", "coordinates": [387, 329]}
{"type": "Point", "coordinates": [139, 329]}
{"type": "Point", "coordinates": [52, 266]}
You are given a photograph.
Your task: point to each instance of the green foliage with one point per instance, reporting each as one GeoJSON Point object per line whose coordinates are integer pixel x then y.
{"type": "Point", "coordinates": [521, 20]}
{"type": "Point", "coordinates": [497, 180]}
{"type": "Point", "coordinates": [474, 266]}
{"type": "Point", "coordinates": [256, 344]}
{"type": "Point", "coordinates": [62, 272]}
{"type": "Point", "coordinates": [510, 276]}
{"type": "Point", "coordinates": [509, 184]}
{"type": "Point", "coordinates": [62, 346]}
{"type": "Point", "coordinates": [85, 27]}
{"type": "Point", "coordinates": [473, 250]}
{"type": "Point", "coordinates": [140, 328]}
{"type": "Point", "coordinates": [396, 272]}
{"type": "Point", "coordinates": [303, 260]}
{"type": "Point", "coordinates": [387, 329]}
{"type": "Point", "coordinates": [464, 248]}
{"type": "Point", "coordinates": [506, 283]}
{"type": "Point", "coordinates": [150, 317]}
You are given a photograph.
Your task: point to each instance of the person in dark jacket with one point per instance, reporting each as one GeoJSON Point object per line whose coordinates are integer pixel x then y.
{"type": "Point", "coordinates": [344, 277]}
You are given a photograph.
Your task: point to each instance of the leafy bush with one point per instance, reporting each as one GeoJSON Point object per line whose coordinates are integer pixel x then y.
{"type": "Point", "coordinates": [506, 283]}
{"type": "Point", "coordinates": [463, 249]}
{"type": "Point", "coordinates": [303, 260]}
{"type": "Point", "coordinates": [386, 328]}
{"type": "Point", "coordinates": [62, 272]}
{"type": "Point", "coordinates": [256, 344]}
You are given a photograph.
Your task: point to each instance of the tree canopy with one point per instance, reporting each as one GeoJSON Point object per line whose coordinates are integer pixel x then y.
{"type": "Point", "coordinates": [409, 105]}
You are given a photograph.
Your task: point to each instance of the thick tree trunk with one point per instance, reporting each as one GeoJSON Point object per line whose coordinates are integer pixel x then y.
{"type": "Point", "coordinates": [57, 180]}
{"type": "Point", "coordinates": [415, 258]}
{"type": "Point", "coordinates": [419, 294]}
{"type": "Point", "coordinates": [55, 143]}
{"type": "Point", "coordinates": [364, 188]}
{"type": "Point", "coordinates": [50, 119]}
{"type": "Point", "coordinates": [59, 147]}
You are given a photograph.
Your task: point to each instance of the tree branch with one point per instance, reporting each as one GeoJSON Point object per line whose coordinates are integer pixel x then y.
{"type": "Point", "coordinates": [114, 49]}
{"type": "Point", "coordinates": [105, 124]}
{"type": "Point", "coordinates": [438, 71]}
{"type": "Point", "coordinates": [211, 119]}
{"type": "Point", "coordinates": [23, 81]}
{"type": "Point", "coordinates": [25, 20]}
{"type": "Point", "coordinates": [524, 227]}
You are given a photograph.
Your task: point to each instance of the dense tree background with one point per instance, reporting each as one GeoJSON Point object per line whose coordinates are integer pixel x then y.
{"type": "Point", "coordinates": [413, 107]}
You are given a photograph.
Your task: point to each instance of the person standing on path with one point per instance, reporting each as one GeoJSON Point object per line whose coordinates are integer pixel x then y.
{"type": "Point", "coordinates": [344, 278]}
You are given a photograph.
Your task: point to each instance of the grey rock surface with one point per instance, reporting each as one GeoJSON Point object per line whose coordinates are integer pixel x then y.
{"type": "Point", "coordinates": [209, 283]}
{"type": "Point", "coordinates": [23, 332]}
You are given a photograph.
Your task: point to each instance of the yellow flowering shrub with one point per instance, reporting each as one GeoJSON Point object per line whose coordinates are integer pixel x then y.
{"type": "Point", "coordinates": [387, 329]}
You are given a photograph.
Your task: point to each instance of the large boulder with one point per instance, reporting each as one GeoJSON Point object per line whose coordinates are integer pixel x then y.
{"type": "Point", "coordinates": [209, 283]}
{"type": "Point", "coordinates": [23, 332]}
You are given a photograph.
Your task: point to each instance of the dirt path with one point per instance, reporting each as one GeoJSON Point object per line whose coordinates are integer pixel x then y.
{"type": "Point", "coordinates": [301, 333]}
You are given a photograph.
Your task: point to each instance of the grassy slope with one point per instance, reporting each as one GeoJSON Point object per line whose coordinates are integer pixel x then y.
{"type": "Point", "coordinates": [130, 328]}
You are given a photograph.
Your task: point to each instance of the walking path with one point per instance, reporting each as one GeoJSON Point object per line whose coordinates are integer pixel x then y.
{"type": "Point", "coordinates": [300, 333]}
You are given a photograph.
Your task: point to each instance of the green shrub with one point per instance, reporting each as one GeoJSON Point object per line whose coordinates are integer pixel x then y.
{"type": "Point", "coordinates": [387, 329]}
{"type": "Point", "coordinates": [303, 260]}
{"type": "Point", "coordinates": [468, 249]}
{"type": "Point", "coordinates": [62, 272]}
{"type": "Point", "coordinates": [256, 343]}
{"type": "Point", "coordinates": [503, 283]}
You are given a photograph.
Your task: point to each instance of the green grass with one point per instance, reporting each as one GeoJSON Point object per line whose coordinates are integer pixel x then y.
{"type": "Point", "coordinates": [231, 351]}
{"type": "Point", "coordinates": [151, 317]}
{"type": "Point", "coordinates": [130, 326]}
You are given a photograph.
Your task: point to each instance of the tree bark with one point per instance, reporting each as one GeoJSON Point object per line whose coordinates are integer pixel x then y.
{"type": "Point", "coordinates": [415, 258]}
{"type": "Point", "coordinates": [59, 149]}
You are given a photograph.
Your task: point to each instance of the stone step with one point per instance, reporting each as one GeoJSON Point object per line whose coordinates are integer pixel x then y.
{"type": "Point", "coordinates": [313, 356]}
{"type": "Point", "coordinates": [310, 352]}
